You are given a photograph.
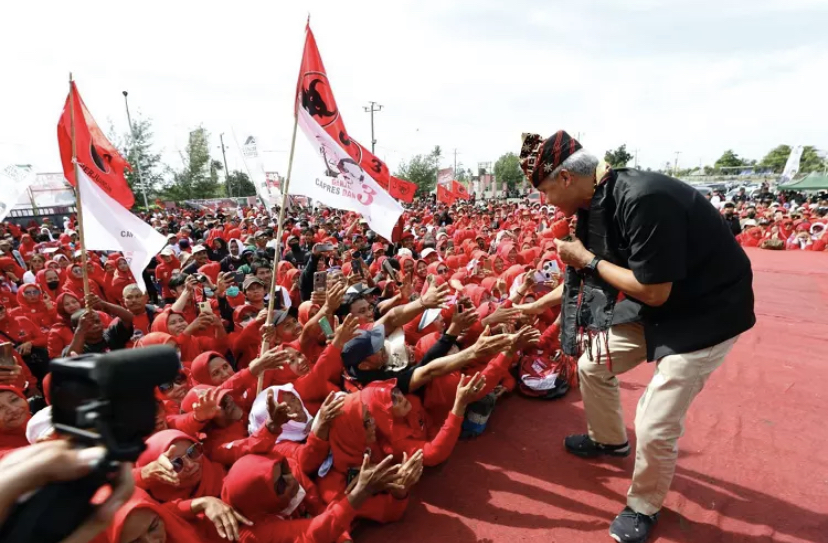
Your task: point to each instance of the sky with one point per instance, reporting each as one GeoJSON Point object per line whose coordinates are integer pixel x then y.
{"type": "Point", "coordinates": [660, 76]}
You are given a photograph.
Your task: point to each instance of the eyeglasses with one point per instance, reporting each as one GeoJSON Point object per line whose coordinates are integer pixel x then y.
{"type": "Point", "coordinates": [442, 270]}
{"type": "Point", "coordinates": [31, 292]}
{"type": "Point", "coordinates": [193, 452]}
{"type": "Point", "coordinates": [180, 379]}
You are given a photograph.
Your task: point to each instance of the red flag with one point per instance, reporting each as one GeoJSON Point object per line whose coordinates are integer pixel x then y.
{"type": "Point", "coordinates": [402, 189]}
{"type": "Point", "coordinates": [445, 195]}
{"type": "Point", "coordinates": [98, 158]}
{"type": "Point", "coordinates": [314, 94]}
{"type": "Point", "coordinates": [459, 189]}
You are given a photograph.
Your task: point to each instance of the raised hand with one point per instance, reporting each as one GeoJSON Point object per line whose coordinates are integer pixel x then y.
{"type": "Point", "coordinates": [375, 479]}
{"type": "Point", "coordinates": [502, 315]}
{"type": "Point", "coordinates": [161, 469]}
{"type": "Point", "coordinates": [207, 406]}
{"type": "Point", "coordinates": [271, 359]}
{"type": "Point", "coordinates": [467, 390]}
{"type": "Point", "coordinates": [487, 344]}
{"type": "Point", "coordinates": [462, 320]}
{"type": "Point", "coordinates": [345, 332]}
{"type": "Point", "coordinates": [331, 409]}
{"type": "Point", "coordinates": [435, 296]}
{"type": "Point", "coordinates": [224, 517]}
{"type": "Point", "coordinates": [277, 414]}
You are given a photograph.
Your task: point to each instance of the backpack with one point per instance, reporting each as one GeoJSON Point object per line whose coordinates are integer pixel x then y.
{"type": "Point", "coordinates": [477, 416]}
{"type": "Point", "coordinates": [544, 378]}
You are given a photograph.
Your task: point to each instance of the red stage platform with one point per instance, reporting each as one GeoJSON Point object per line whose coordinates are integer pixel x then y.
{"type": "Point", "coordinates": [753, 463]}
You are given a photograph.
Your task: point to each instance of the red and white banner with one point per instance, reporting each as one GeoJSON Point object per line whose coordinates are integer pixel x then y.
{"type": "Point", "coordinates": [95, 155]}
{"type": "Point", "coordinates": [445, 176]}
{"type": "Point", "coordinates": [314, 95]}
{"type": "Point", "coordinates": [351, 187]}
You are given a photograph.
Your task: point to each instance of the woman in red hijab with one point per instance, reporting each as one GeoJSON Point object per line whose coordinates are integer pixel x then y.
{"type": "Point", "coordinates": [32, 306]}
{"type": "Point", "coordinates": [74, 283]}
{"type": "Point", "coordinates": [226, 428]}
{"type": "Point", "coordinates": [186, 334]}
{"type": "Point", "coordinates": [353, 435]}
{"type": "Point", "coordinates": [284, 505]}
{"type": "Point", "coordinates": [192, 475]}
{"type": "Point", "coordinates": [14, 416]}
{"type": "Point", "coordinates": [120, 278]}
{"type": "Point", "coordinates": [143, 519]}
{"type": "Point", "coordinates": [49, 281]}
{"type": "Point", "coordinates": [403, 424]}
{"type": "Point", "coordinates": [290, 282]}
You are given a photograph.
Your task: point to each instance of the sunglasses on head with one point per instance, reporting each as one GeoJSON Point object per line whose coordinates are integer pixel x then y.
{"type": "Point", "coordinates": [193, 452]}
{"type": "Point", "coordinates": [180, 379]}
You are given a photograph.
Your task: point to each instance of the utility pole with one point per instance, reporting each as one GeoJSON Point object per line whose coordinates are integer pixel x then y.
{"type": "Point", "coordinates": [636, 158]}
{"type": "Point", "coordinates": [137, 158]}
{"type": "Point", "coordinates": [374, 107]}
{"type": "Point", "coordinates": [675, 166]}
{"type": "Point", "coordinates": [226, 171]}
{"type": "Point", "coordinates": [455, 162]}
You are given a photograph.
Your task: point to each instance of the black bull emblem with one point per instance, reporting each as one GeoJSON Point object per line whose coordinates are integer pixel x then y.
{"type": "Point", "coordinates": [313, 103]}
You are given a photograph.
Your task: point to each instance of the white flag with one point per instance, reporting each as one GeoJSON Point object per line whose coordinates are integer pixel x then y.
{"type": "Point", "coordinates": [270, 196]}
{"type": "Point", "coordinates": [351, 188]}
{"type": "Point", "coordinates": [792, 165]}
{"type": "Point", "coordinates": [109, 226]}
{"type": "Point", "coordinates": [14, 180]}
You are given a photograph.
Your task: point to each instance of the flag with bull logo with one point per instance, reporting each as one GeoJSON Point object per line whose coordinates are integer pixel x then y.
{"type": "Point", "coordinates": [96, 156]}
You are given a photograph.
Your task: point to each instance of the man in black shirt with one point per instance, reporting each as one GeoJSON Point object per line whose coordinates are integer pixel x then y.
{"type": "Point", "coordinates": [731, 220]}
{"type": "Point", "coordinates": [687, 296]}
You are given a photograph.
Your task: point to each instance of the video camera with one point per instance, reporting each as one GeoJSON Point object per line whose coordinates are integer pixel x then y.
{"type": "Point", "coordinates": [97, 400]}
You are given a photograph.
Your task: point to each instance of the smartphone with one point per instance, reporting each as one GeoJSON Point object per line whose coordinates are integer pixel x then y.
{"type": "Point", "coordinates": [325, 247]}
{"type": "Point", "coordinates": [278, 301]}
{"type": "Point", "coordinates": [320, 281]}
{"type": "Point", "coordinates": [326, 327]}
{"type": "Point", "coordinates": [238, 277]}
{"type": "Point", "coordinates": [205, 307]}
{"type": "Point", "coordinates": [7, 354]}
{"type": "Point", "coordinates": [356, 265]}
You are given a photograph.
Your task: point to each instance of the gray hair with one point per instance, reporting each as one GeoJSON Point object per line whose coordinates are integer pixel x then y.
{"type": "Point", "coordinates": [580, 163]}
{"type": "Point", "coordinates": [130, 288]}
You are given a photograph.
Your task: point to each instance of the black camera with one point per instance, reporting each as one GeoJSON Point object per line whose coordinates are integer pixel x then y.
{"type": "Point", "coordinates": [201, 278]}
{"type": "Point", "coordinates": [97, 400]}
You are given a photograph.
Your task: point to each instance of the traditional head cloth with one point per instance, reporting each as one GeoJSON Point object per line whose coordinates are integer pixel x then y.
{"type": "Point", "coordinates": [539, 157]}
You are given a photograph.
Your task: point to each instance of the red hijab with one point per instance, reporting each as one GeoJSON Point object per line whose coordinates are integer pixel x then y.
{"type": "Point", "coordinates": [348, 438]}
{"type": "Point", "coordinates": [212, 474]}
{"type": "Point", "coordinates": [248, 487]}
{"type": "Point", "coordinates": [176, 528]}
{"type": "Point", "coordinates": [200, 367]}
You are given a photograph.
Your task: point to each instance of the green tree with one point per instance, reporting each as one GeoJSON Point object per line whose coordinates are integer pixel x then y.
{"type": "Point", "coordinates": [463, 174]}
{"type": "Point", "coordinates": [422, 170]}
{"type": "Point", "coordinates": [619, 157]}
{"type": "Point", "coordinates": [140, 155]}
{"type": "Point", "coordinates": [729, 159]}
{"type": "Point", "coordinates": [198, 178]}
{"type": "Point", "coordinates": [239, 184]}
{"type": "Point", "coordinates": [810, 161]}
{"type": "Point", "coordinates": [507, 168]}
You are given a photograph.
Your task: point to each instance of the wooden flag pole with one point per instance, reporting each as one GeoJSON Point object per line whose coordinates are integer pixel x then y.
{"type": "Point", "coordinates": [77, 190]}
{"type": "Point", "coordinates": [280, 227]}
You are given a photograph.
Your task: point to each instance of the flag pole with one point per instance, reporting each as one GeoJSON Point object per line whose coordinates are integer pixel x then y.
{"type": "Point", "coordinates": [77, 189]}
{"type": "Point", "coordinates": [280, 227]}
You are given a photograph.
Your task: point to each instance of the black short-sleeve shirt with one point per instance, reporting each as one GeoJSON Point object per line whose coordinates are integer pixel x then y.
{"type": "Point", "coordinates": [670, 233]}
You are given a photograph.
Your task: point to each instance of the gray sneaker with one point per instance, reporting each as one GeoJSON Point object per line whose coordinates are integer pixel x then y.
{"type": "Point", "coordinates": [632, 527]}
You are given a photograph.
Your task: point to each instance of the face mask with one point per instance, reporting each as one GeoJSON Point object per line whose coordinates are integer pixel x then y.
{"type": "Point", "coordinates": [53, 285]}
{"type": "Point", "coordinates": [232, 291]}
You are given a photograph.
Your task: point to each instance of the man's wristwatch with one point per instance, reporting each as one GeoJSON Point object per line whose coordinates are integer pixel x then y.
{"type": "Point", "coordinates": [592, 267]}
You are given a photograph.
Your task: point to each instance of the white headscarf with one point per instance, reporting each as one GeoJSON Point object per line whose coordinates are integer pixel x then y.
{"type": "Point", "coordinates": [40, 425]}
{"type": "Point", "coordinates": [291, 430]}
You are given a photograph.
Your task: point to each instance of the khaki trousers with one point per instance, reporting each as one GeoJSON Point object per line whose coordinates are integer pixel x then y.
{"type": "Point", "coordinates": [659, 419]}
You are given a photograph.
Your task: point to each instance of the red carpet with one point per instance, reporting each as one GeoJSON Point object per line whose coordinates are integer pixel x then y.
{"type": "Point", "coordinates": [753, 464]}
